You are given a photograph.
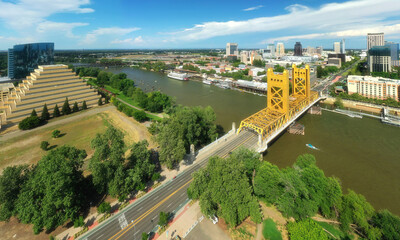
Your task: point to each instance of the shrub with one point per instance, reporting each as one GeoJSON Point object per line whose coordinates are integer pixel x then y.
{"type": "Point", "coordinates": [56, 133]}
{"type": "Point", "coordinates": [56, 112]}
{"type": "Point", "coordinates": [140, 116]}
{"type": "Point", "coordinates": [66, 109]}
{"type": "Point", "coordinates": [44, 145]}
{"type": "Point", "coordinates": [155, 176]}
{"type": "Point", "coordinates": [104, 207]}
{"type": "Point", "coordinates": [145, 236]}
{"type": "Point", "coordinates": [75, 108]}
{"type": "Point", "coordinates": [100, 102]}
{"type": "Point", "coordinates": [29, 123]}
{"type": "Point", "coordinates": [33, 114]}
{"type": "Point", "coordinates": [84, 106]}
{"type": "Point", "coordinates": [45, 113]}
{"type": "Point", "coordinates": [79, 222]}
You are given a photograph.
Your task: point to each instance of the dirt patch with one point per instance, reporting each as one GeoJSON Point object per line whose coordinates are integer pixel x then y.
{"type": "Point", "coordinates": [15, 230]}
{"type": "Point", "coordinates": [279, 219]}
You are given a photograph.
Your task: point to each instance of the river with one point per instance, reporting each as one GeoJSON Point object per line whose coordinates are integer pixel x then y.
{"type": "Point", "coordinates": [363, 153]}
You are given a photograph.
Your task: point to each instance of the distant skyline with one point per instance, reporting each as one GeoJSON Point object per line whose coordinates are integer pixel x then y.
{"type": "Point", "coordinates": [172, 24]}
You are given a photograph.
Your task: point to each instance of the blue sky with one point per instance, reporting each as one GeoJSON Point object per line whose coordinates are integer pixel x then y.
{"type": "Point", "coordinates": [94, 24]}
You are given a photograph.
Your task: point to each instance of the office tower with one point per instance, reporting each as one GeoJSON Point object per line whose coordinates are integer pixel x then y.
{"type": "Point", "coordinates": [232, 49]}
{"type": "Point", "coordinates": [298, 49]}
{"type": "Point", "coordinates": [394, 50]}
{"type": "Point", "coordinates": [24, 58]}
{"type": "Point", "coordinates": [336, 47]}
{"type": "Point", "coordinates": [280, 49]}
{"type": "Point", "coordinates": [271, 50]}
{"type": "Point", "coordinates": [379, 59]}
{"type": "Point", "coordinates": [343, 46]}
{"type": "Point", "coordinates": [375, 39]}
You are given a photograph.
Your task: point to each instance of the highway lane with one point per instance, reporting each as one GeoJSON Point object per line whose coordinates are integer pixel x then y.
{"type": "Point", "coordinates": [142, 216]}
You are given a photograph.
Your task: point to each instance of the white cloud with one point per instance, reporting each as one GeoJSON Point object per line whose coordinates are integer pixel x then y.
{"type": "Point", "coordinates": [253, 8]}
{"type": "Point", "coordinates": [129, 41]}
{"type": "Point", "coordinates": [334, 17]}
{"type": "Point", "coordinates": [91, 37]}
{"type": "Point", "coordinates": [48, 26]}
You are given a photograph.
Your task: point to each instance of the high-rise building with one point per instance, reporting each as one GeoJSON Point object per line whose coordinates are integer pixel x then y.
{"type": "Point", "coordinates": [311, 51]}
{"type": "Point", "coordinates": [394, 50]}
{"type": "Point", "coordinates": [24, 58]}
{"type": "Point", "coordinates": [280, 49]}
{"type": "Point", "coordinates": [298, 49]}
{"type": "Point", "coordinates": [379, 59]}
{"type": "Point", "coordinates": [343, 47]}
{"type": "Point", "coordinates": [336, 47]}
{"type": "Point", "coordinates": [319, 50]}
{"type": "Point", "coordinates": [375, 39]}
{"type": "Point", "coordinates": [271, 50]}
{"type": "Point", "coordinates": [232, 49]}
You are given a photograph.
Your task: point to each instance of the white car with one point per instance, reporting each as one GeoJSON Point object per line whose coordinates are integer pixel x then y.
{"type": "Point", "coordinates": [214, 219]}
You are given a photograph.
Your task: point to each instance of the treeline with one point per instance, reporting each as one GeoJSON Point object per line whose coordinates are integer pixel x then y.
{"type": "Point", "coordinates": [157, 66]}
{"type": "Point", "coordinates": [184, 126]}
{"type": "Point", "coordinates": [152, 101]}
{"type": "Point", "coordinates": [228, 188]}
{"type": "Point", "coordinates": [357, 97]}
{"type": "Point", "coordinates": [240, 74]}
{"type": "Point", "coordinates": [55, 190]}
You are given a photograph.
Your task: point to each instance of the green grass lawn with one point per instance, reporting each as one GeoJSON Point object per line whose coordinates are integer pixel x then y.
{"type": "Point", "coordinates": [270, 231]}
{"type": "Point", "coordinates": [332, 229]}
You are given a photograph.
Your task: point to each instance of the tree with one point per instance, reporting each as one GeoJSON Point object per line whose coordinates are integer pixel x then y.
{"type": "Point", "coordinates": [103, 78]}
{"type": "Point", "coordinates": [56, 133]}
{"type": "Point", "coordinates": [45, 113]}
{"type": "Point", "coordinates": [388, 223]}
{"type": "Point", "coordinates": [306, 229]}
{"type": "Point", "coordinates": [163, 219]}
{"type": "Point", "coordinates": [107, 157]}
{"type": "Point", "coordinates": [140, 116]}
{"type": "Point", "coordinates": [100, 102]}
{"type": "Point", "coordinates": [258, 63]}
{"type": "Point", "coordinates": [84, 106]}
{"type": "Point", "coordinates": [33, 114]}
{"type": "Point", "coordinates": [79, 222]}
{"type": "Point", "coordinates": [44, 145]}
{"type": "Point", "coordinates": [104, 207]}
{"type": "Point", "coordinates": [338, 103]}
{"type": "Point", "coordinates": [29, 123]}
{"type": "Point", "coordinates": [145, 236]}
{"type": "Point", "coordinates": [268, 182]}
{"type": "Point", "coordinates": [66, 109]}
{"type": "Point", "coordinates": [53, 194]}
{"type": "Point", "coordinates": [11, 182]}
{"type": "Point", "coordinates": [56, 112]}
{"type": "Point", "coordinates": [75, 108]}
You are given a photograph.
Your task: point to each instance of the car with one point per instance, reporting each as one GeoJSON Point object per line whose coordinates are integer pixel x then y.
{"type": "Point", "coordinates": [174, 177]}
{"type": "Point", "coordinates": [214, 219]}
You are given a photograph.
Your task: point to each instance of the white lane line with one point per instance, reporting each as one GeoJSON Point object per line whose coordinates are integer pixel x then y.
{"type": "Point", "coordinates": [155, 197]}
{"type": "Point", "coordinates": [180, 180]}
{"type": "Point", "coordinates": [154, 217]}
{"type": "Point", "coordinates": [169, 205]}
{"type": "Point", "coordinates": [100, 236]}
{"type": "Point", "coordinates": [139, 209]}
{"type": "Point", "coordinates": [136, 233]}
{"type": "Point", "coordinates": [183, 194]}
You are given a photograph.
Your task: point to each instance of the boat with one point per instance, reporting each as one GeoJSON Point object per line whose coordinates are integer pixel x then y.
{"type": "Point", "coordinates": [178, 76]}
{"type": "Point", "coordinates": [311, 146]}
{"type": "Point", "coordinates": [206, 81]}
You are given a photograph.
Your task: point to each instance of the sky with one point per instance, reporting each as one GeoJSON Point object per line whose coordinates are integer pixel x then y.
{"type": "Point", "coordinates": [177, 24]}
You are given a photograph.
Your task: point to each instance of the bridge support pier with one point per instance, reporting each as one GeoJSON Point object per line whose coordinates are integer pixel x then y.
{"type": "Point", "coordinates": [234, 127]}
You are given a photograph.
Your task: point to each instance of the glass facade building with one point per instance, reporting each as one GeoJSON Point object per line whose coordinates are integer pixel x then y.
{"type": "Point", "coordinates": [24, 58]}
{"type": "Point", "coordinates": [298, 49]}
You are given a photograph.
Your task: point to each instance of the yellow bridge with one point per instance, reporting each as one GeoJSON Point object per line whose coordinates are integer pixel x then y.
{"type": "Point", "coordinates": [281, 107]}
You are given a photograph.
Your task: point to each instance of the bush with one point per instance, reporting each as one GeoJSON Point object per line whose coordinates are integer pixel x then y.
{"type": "Point", "coordinates": [104, 207]}
{"type": "Point", "coordinates": [140, 116]}
{"type": "Point", "coordinates": [145, 236]}
{"type": "Point", "coordinates": [56, 133]}
{"type": "Point", "coordinates": [56, 112]}
{"type": "Point", "coordinates": [84, 106]}
{"type": "Point", "coordinates": [29, 123]}
{"type": "Point", "coordinates": [306, 229]}
{"type": "Point", "coordinates": [79, 222]}
{"type": "Point", "coordinates": [270, 231]}
{"type": "Point", "coordinates": [155, 176]}
{"type": "Point", "coordinates": [75, 108]}
{"type": "Point", "coordinates": [100, 102]}
{"type": "Point", "coordinates": [44, 145]}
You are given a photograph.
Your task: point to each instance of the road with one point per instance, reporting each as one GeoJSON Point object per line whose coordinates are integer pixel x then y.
{"type": "Point", "coordinates": [142, 215]}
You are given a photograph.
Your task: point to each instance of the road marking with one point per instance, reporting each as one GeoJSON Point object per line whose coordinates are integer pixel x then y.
{"type": "Point", "coordinates": [180, 180]}
{"type": "Point", "coordinates": [169, 205]}
{"type": "Point", "coordinates": [123, 223]}
{"type": "Point", "coordinates": [136, 232]}
{"type": "Point", "coordinates": [123, 231]}
{"type": "Point", "coordinates": [139, 209]}
{"type": "Point", "coordinates": [183, 194]}
{"type": "Point", "coordinates": [155, 197]}
{"type": "Point", "coordinates": [100, 236]}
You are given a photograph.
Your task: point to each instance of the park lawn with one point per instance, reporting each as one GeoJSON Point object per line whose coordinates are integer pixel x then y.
{"type": "Point", "coordinates": [332, 229]}
{"type": "Point", "coordinates": [25, 149]}
{"type": "Point", "coordinates": [270, 230]}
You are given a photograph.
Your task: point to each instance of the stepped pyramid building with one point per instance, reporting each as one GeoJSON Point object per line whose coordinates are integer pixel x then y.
{"type": "Point", "coordinates": [49, 84]}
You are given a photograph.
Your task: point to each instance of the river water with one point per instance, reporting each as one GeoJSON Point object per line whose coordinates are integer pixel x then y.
{"type": "Point", "coordinates": [363, 153]}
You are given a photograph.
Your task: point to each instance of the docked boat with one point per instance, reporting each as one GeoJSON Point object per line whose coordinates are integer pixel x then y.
{"type": "Point", "coordinates": [311, 146]}
{"type": "Point", "coordinates": [206, 81]}
{"type": "Point", "coordinates": [178, 76]}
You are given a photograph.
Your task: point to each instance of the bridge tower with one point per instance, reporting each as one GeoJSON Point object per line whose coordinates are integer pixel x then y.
{"type": "Point", "coordinates": [301, 82]}
{"type": "Point", "coordinates": [278, 91]}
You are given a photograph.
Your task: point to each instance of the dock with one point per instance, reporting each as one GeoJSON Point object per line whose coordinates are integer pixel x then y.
{"type": "Point", "coordinates": [296, 128]}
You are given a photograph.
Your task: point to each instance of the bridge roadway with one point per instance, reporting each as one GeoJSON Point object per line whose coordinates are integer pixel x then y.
{"type": "Point", "coordinates": [142, 215]}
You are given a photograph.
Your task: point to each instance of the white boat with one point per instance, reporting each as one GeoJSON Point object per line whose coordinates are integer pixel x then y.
{"type": "Point", "coordinates": [178, 76]}
{"type": "Point", "coordinates": [311, 146]}
{"type": "Point", "coordinates": [206, 81]}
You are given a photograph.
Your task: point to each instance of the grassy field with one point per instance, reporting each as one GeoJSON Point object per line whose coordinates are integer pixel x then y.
{"type": "Point", "coordinates": [332, 229]}
{"type": "Point", "coordinates": [270, 231]}
{"type": "Point", "coordinates": [26, 148]}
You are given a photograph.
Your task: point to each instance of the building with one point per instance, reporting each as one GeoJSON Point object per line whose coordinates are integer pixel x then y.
{"type": "Point", "coordinates": [319, 50]}
{"type": "Point", "coordinates": [379, 59]}
{"type": "Point", "coordinates": [337, 55]}
{"type": "Point", "coordinates": [394, 50]}
{"type": "Point", "coordinates": [244, 57]}
{"type": "Point", "coordinates": [298, 49]}
{"type": "Point", "coordinates": [374, 87]}
{"type": "Point", "coordinates": [336, 47]}
{"type": "Point", "coordinates": [232, 49]}
{"type": "Point", "coordinates": [270, 51]}
{"type": "Point", "coordinates": [343, 46]}
{"type": "Point", "coordinates": [280, 49]}
{"type": "Point", "coordinates": [337, 62]}
{"type": "Point", "coordinates": [311, 51]}
{"type": "Point", "coordinates": [24, 58]}
{"type": "Point", "coordinates": [375, 39]}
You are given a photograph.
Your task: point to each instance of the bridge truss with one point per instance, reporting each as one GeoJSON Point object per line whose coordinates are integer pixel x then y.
{"type": "Point", "coordinates": [281, 106]}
